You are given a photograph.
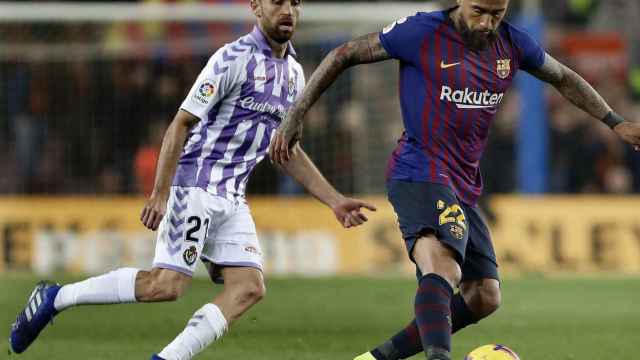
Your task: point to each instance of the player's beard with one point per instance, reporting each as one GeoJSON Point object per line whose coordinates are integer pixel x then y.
{"type": "Point", "coordinates": [281, 37]}
{"type": "Point", "coordinates": [474, 39]}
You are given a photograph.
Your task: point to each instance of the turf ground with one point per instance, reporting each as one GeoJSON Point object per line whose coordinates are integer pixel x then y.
{"type": "Point", "coordinates": [303, 319]}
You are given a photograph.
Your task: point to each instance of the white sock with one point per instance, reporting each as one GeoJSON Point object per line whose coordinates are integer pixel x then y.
{"type": "Point", "coordinates": [207, 325]}
{"type": "Point", "coordinates": [116, 287]}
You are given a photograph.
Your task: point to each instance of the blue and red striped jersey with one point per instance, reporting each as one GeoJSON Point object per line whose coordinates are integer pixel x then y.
{"type": "Point", "coordinates": [449, 96]}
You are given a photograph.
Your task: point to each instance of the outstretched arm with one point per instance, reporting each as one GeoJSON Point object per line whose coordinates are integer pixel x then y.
{"type": "Point", "coordinates": [572, 86]}
{"type": "Point", "coordinates": [347, 210]}
{"type": "Point", "coordinates": [172, 144]}
{"type": "Point", "coordinates": [363, 50]}
{"type": "Point", "coordinates": [577, 90]}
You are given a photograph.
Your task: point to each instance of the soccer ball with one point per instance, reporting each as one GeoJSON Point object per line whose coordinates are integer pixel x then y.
{"type": "Point", "coordinates": [492, 352]}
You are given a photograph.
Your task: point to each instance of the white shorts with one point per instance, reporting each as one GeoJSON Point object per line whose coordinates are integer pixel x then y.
{"type": "Point", "coordinates": [198, 224]}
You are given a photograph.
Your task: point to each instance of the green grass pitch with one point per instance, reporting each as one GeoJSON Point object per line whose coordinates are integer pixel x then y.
{"type": "Point", "coordinates": [338, 318]}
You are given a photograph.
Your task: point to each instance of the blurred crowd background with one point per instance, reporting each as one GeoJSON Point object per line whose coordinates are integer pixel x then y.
{"type": "Point", "coordinates": [83, 107]}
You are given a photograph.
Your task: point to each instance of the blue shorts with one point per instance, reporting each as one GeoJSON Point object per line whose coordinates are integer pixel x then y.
{"type": "Point", "coordinates": [428, 208]}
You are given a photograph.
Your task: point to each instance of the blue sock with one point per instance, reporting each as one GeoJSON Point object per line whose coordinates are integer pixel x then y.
{"type": "Point", "coordinates": [407, 342]}
{"type": "Point", "coordinates": [403, 345]}
{"type": "Point", "coordinates": [433, 312]}
{"type": "Point", "coordinates": [461, 315]}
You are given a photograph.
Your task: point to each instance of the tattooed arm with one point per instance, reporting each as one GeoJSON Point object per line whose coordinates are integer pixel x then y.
{"type": "Point", "coordinates": [572, 86]}
{"type": "Point", "coordinates": [577, 90]}
{"type": "Point", "coordinates": [363, 50]}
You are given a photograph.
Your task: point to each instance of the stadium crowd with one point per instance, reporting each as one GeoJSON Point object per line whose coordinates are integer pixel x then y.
{"type": "Point", "coordinates": [88, 117]}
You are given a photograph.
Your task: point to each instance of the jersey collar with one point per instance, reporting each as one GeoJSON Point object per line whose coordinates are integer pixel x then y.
{"type": "Point", "coordinates": [263, 44]}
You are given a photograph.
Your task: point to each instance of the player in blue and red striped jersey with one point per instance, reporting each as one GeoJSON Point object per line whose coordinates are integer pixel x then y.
{"type": "Point", "coordinates": [455, 66]}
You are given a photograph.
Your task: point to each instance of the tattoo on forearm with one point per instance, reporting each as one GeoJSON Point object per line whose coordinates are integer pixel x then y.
{"type": "Point", "coordinates": [573, 87]}
{"type": "Point", "coordinates": [362, 50]}
{"type": "Point", "coordinates": [367, 49]}
{"type": "Point", "coordinates": [583, 95]}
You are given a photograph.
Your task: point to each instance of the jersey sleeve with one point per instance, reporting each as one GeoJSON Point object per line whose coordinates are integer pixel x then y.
{"type": "Point", "coordinates": [402, 38]}
{"type": "Point", "coordinates": [531, 53]}
{"type": "Point", "coordinates": [215, 81]}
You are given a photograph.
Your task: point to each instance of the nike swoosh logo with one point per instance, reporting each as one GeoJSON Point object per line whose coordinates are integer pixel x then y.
{"type": "Point", "coordinates": [446, 66]}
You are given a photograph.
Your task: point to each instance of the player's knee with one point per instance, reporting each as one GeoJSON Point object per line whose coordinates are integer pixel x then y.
{"type": "Point", "coordinates": [491, 300]}
{"type": "Point", "coordinates": [455, 274]}
{"type": "Point", "coordinates": [451, 274]}
{"type": "Point", "coordinates": [432, 256]}
{"type": "Point", "coordinates": [253, 292]}
{"type": "Point", "coordinates": [449, 269]}
{"type": "Point", "coordinates": [165, 291]}
{"type": "Point", "coordinates": [172, 293]}
{"type": "Point", "coordinates": [163, 286]}
{"type": "Point", "coordinates": [486, 300]}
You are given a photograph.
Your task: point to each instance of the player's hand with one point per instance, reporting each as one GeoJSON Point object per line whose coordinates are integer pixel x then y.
{"type": "Point", "coordinates": [629, 131]}
{"type": "Point", "coordinates": [154, 211]}
{"type": "Point", "coordinates": [283, 144]}
{"type": "Point", "coordinates": [348, 212]}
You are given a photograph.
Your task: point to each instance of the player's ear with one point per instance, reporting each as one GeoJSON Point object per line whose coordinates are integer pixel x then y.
{"type": "Point", "coordinates": [256, 8]}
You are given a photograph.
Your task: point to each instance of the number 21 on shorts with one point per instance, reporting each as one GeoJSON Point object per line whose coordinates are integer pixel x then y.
{"type": "Point", "coordinates": [194, 224]}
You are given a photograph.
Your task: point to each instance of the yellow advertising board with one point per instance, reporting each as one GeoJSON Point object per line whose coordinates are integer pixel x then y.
{"type": "Point", "coordinates": [301, 236]}
{"type": "Point", "coordinates": [563, 233]}
{"type": "Point", "coordinates": [63, 226]}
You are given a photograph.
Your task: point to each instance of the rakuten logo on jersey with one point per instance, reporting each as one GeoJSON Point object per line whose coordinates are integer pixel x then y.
{"type": "Point", "coordinates": [467, 99]}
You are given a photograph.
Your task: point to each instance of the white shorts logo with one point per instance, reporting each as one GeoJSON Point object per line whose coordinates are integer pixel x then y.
{"type": "Point", "coordinates": [205, 92]}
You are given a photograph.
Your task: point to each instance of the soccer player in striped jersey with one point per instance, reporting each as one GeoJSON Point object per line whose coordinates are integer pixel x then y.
{"type": "Point", "coordinates": [222, 130]}
{"type": "Point", "coordinates": [455, 66]}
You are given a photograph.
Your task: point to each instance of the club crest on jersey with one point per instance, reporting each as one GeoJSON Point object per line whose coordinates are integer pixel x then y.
{"type": "Point", "coordinates": [292, 87]}
{"type": "Point", "coordinates": [205, 92]}
{"type": "Point", "coordinates": [503, 68]}
{"type": "Point", "coordinates": [190, 255]}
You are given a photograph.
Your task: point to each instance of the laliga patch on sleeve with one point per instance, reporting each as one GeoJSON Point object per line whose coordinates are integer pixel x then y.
{"type": "Point", "coordinates": [392, 25]}
{"type": "Point", "coordinates": [205, 92]}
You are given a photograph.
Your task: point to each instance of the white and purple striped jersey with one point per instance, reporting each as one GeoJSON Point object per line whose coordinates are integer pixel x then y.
{"type": "Point", "coordinates": [241, 96]}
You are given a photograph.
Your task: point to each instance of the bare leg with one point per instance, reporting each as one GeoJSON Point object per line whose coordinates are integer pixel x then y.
{"type": "Point", "coordinates": [125, 285]}
{"type": "Point", "coordinates": [161, 285]}
{"type": "Point", "coordinates": [243, 287]}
